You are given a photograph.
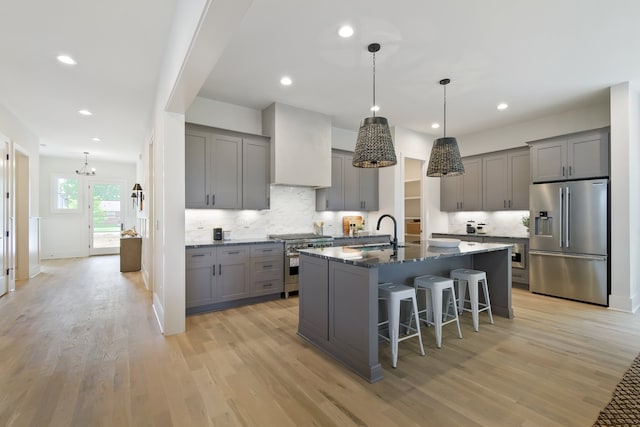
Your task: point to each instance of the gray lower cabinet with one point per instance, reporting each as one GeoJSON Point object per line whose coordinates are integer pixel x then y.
{"type": "Point", "coordinates": [225, 170]}
{"type": "Point", "coordinates": [352, 189]}
{"type": "Point", "coordinates": [233, 273]}
{"type": "Point", "coordinates": [226, 276]}
{"type": "Point", "coordinates": [200, 277]}
{"type": "Point", "coordinates": [267, 269]}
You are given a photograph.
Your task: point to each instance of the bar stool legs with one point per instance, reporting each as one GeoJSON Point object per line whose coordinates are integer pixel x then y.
{"type": "Point", "coordinates": [471, 279]}
{"type": "Point", "coordinates": [394, 295]}
{"type": "Point", "coordinates": [436, 286]}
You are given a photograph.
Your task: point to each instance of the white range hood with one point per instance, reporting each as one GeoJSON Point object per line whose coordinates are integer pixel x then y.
{"type": "Point", "coordinates": [300, 145]}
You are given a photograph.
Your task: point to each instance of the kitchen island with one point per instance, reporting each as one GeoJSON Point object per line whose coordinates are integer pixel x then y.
{"type": "Point", "coordinates": [338, 299]}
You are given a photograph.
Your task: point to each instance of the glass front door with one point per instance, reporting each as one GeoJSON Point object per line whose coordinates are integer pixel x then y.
{"type": "Point", "coordinates": [106, 217]}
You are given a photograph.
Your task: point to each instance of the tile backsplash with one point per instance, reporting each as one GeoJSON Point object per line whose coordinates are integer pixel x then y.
{"type": "Point", "coordinates": [293, 210]}
{"type": "Point", "coordinates": [503, 223]}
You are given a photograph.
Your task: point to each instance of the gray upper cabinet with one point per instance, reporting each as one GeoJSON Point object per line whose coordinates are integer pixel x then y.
{"type": "Point", "coordinates": [332, 198]}
{"type": "Point", "coordinates": [255, 174]}
{"type": "Point", "coordinates": [224, 170]}
{"type": "Point", "coordinates": [506, 180]}
{"type": "Point", "coordinates": [225, 174]}
{"type": "Point", "coordinates": [576, 156]}
{"type": "Point", "coordinates": [352, 189]}
{"type": "Point", "coordinates": [463, 193]}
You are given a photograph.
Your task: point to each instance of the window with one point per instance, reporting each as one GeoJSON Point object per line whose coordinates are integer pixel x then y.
{"type": "Point", "coordinates": [65, 194]}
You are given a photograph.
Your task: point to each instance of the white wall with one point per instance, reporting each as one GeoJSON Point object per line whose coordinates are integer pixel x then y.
{"type": "Point", "coordinates": [65, 235]}
{"type": "Point", "coordinates": [28, 143]}
{"type": "Point", "coordinates": [625, 204]}
{"type": "Point", "coordinates": [200, 32]}
{"type": "Point", "coordinates": [517, 135]}
{"type": "Point", "coordinates": [209, 112]}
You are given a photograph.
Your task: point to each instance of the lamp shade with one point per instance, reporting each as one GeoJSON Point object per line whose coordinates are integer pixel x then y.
{"type": "Point", "coordinates": [374, 147]}
{"type": "Point", "coordinates": [137, 187]}
{"type": "Point", "coordinates": [445, 158]}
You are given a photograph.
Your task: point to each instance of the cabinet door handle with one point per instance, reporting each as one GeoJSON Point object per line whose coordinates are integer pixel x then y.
{"type": "Point", "coordinates": [570, 172]}
{"type": "Point", "coordinates": [214, 269]}
{"type": "Point", "coordinates": [268, 202]}
{"type": "Point", "coordinates": [219, 269]}
{"type": "Point", "coordinates": [267, 285]}
{"type": "Point", "coordinates": [509, 203]}
{"type": "Point", "coordinates": [196, 255]}
{"type": "Point", "coordinates": [461, 204]}
{"type": "Point", "coordinates": [267, 266]}
{"type": "Point", "coordinates": [563, 171]}
{"type": "Point", "coordinates": [233, 253]}
{"type": "Point", "coordinates": [504, 203]}
{"type": "Point", "coordinates": [207, 200]}
{"type": "Point", "coordinates": [213, 200]}
{"type": "Point", "coordinates": [326, 204]}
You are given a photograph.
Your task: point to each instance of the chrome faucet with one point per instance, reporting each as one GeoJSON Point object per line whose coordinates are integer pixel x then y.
{"type": "Point", "coordinates": [394, 242]}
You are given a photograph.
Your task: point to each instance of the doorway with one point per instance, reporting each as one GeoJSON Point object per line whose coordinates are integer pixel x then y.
{"type": "Point", "coordinates": [106, 216]}
{"type": "Point", "coordinates": [413, 200]}
{"type": "Point", "coordinates": [4, 218]}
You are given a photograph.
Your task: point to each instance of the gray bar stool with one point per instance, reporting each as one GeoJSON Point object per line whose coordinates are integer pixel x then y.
{"type": "Point", "coordinates": [472, 279]}
{"type": "Point", "coordinates": [394, 295]}
{"type": "Point", "coordinates": [437, 286]}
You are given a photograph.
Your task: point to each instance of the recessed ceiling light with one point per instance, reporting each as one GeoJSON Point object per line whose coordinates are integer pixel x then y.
{"type": "Point", "coordinates": [96, 139]}
{"type": "Point", "coordinates": [43, 145]}
{"type": "Point", "coordinates": [503, 106]}
{"type": "Point", "coordinates": [375, 108]}
{"type": "Point", "coordinates": [435, 125]}
{"type": "Point", "coordinates": [85, 112]}
{"type": "Point", "coordinates": [345, 31]}
{"type": "Point", "coordinates": [66, 59]}
{"type": "Point", "coordinates": [286, 81]}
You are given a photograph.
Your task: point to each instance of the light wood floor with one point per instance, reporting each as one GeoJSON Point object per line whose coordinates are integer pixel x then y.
{"type": "Point", "coordinates": [79, 347]}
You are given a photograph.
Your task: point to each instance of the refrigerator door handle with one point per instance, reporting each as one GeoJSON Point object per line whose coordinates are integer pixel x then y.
{"type": "Point", "coordinates": [567, 214]}
{"type": "Point", "coordinates": [564, 255]}
{"type": "Point", "coordinates": [561, 193]}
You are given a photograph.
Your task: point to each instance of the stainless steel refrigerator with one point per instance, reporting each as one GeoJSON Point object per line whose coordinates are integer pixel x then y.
{"type": "Point", "coordinates": [569, 240]}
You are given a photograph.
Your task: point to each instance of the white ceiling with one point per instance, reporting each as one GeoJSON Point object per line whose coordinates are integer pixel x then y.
{"type": "Point", "coordinates": [540, 57]}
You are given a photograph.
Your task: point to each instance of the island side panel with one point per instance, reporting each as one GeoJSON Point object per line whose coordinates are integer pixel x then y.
{"type": "Point", "coordinates": [353, 318]}
{"type": "Point", "coordinates": [313, 299]}
{"type": "Point", "coordinates": [497, 265]}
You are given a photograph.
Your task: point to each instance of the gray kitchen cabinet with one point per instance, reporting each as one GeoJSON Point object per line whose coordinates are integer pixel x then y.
{"type": "Point", "coordinates": [352, 189]}
{"type": "Point", "coordinates": [233, 273]}
{"type": "Point", "coordinates": [225, 170]}
{"type": "Point", "coordinates": [576, 156]}
{"type": "Point", "coordinates": [464, 192]}
{"type": "Point", "coordinates": [255, 174]}
{"type": "Point", "coordinates": [360, 187]}
{"type": "Point", "coordinates": [332, 198]}
{"type": "Point", "coordinates": [200, 277]}
{"type": "Point", "coordinates": [506, 180]}
{"type": "Point", "coordinates": [267, 269]}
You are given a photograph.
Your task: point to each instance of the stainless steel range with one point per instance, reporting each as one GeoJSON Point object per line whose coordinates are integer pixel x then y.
{"type": "Point", "coordinates": [292, 243]}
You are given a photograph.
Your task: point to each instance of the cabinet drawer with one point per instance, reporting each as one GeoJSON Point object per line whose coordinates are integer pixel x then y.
{"type": "Point", "coordinates": [267, 249]}
{"type": "Point", "coordinates": [268, 264]}
{"type": "Point", "coordinates": [266, 287]}
{"type": "Point", "coordinates": [519, 275]}
{"type": "Point", "coordinates": [233, 253]}
{"type": "Point", "coordinates": [199, 257]}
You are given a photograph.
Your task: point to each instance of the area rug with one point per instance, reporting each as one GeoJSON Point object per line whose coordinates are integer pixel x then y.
{"type": "Point", "coordinates": [624, 407]}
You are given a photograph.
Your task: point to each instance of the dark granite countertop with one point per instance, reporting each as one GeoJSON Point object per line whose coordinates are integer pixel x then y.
{"type": "Point", "coordinates": [492, 235]}
{"type": "Point", "coordinates": [191, 245]}
{"type": "Point", "coordinates": [374, 256]}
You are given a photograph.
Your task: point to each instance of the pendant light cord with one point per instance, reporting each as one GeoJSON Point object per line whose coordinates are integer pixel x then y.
{"type": "Point", "coordinates": [445, 112]}
{"type": "Point", "coordinates": [374, 84]}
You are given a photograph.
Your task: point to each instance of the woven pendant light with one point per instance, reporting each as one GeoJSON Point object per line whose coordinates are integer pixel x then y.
{"type": "Point", "coordinates": [374, 147]}
{"type": "Point", "coordinates": [445, 157]}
